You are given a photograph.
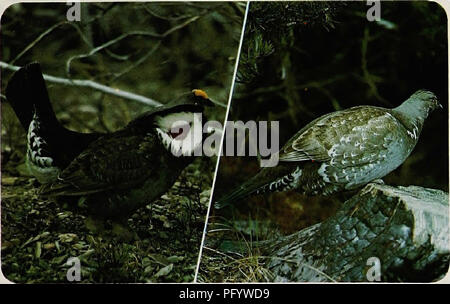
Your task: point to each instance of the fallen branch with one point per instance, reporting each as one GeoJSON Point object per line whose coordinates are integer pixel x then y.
{"type": "Point", "coordinates": [93, 85]}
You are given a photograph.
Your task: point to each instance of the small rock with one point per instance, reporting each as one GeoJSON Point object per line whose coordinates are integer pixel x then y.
{"type": "Point", "coordinates": [78, 246]}
{"type": "Point", "coordinates": [49, 246]}
{"type": "Point", "coordinates": [67, 237]}
{"type": "Point", "coordinates": [164, 271]}
{"type": "Point", "coordinates": [63, 215]}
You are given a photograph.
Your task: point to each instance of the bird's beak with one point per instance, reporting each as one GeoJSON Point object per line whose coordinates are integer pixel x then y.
{"type": "Point", "coordinates": [438, 105]}
{"type": "Point", "coordinates": [436, 102]}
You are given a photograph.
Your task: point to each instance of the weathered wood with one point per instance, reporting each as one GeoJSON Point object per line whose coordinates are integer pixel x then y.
{"type": "Point", "coordinates": [405, 228]}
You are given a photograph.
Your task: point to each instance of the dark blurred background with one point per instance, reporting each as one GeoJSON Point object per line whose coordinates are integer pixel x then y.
{"type": "Point", "coordinates": [302, 60]}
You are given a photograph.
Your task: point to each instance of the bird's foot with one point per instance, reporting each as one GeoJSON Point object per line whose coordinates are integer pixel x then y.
{"type": "Point", "coordinates": [378, 181]}
{"type": "Point", "coordinates": [371, 186]}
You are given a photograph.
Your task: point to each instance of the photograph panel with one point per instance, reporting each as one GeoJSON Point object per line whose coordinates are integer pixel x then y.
{"type": "Point", "coordinates": [351, 99]}
{"type": "Point", "coordinates": [103, 176]}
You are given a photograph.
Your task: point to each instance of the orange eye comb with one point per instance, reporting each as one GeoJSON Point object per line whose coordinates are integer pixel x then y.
{"type": "Point", "coordinates": [200, 93]}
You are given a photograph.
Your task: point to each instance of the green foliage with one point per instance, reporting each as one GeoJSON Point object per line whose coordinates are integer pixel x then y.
{"type": "Point", "coordinates": [256, 51]}
{"type": "Point", "coordinates": [272, 27]}
{"type": "Point", "coordinates": [275, 19]}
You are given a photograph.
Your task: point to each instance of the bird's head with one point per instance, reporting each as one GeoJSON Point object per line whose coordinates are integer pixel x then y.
{"type": "Point", "coordinates": [417, 107]}
{"type": "Point", "coordinates": [427, 100]}
{"type": "Point", "coordinates": [181, 129]}
{"type": "Point", "coordinates": [179, 124]}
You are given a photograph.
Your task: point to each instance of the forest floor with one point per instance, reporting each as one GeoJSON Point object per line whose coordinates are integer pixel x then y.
{"type": "Point", "coordinates": [39, 235]}
{"type": "Point", "coordinates": [231, 251]}
{"type": "Point", "coordinates": [235, 244]}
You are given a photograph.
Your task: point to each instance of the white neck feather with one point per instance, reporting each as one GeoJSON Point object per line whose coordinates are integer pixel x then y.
{"type": "Point", "coordinates": [181, 133]}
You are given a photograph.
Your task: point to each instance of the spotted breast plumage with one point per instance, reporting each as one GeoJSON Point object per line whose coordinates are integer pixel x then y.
{"type": "Point", "coordinates": [343, 150]}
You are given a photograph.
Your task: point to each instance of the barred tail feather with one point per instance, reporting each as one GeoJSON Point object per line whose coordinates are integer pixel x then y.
{"type": "Point", "coordinates": [26, 92]}
{"type": "Point", "coordinates": [253, 186]}
{"type": "Point", "coordinates": [240, 193]}
{"type": "Point", "coordinates": [267, 180]}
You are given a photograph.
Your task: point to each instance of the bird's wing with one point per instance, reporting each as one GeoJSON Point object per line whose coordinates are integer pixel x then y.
{"type": "Point", "coordinates": [374, 151]}
{"type": "Point", "coordinates": [305, 145]}
{"type": "Point", "coordinates": [112, 162]}
{"type": "Point", "coordinates": [353, 144]}
{"type": "Point", "coordinates": [325, 138]}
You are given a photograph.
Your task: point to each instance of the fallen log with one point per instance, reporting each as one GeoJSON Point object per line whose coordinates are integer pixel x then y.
{"type": "Point", "coordinates": [383, 233]}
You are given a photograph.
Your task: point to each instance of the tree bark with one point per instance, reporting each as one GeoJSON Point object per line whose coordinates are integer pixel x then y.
{"type": "Point", "coordinates": [382, 233]}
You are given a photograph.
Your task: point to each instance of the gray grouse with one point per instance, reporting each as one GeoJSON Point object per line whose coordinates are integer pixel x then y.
{"type": "Point", "coordinates": [343, 150]}
{"type": "Point", "coordinates": [128, 169]}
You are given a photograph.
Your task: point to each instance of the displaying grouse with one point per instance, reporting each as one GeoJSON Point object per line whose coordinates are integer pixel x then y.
{"type": "Point", "coordinates": [343, 150]}
{"type": "Point", "coordinates": [127, 169]}
{"type": "Point", "coordinates": [50, 146]}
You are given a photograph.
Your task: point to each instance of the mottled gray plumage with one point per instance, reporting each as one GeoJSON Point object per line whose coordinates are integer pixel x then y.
{"type": "Point", "coordinates": [344, 150]}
